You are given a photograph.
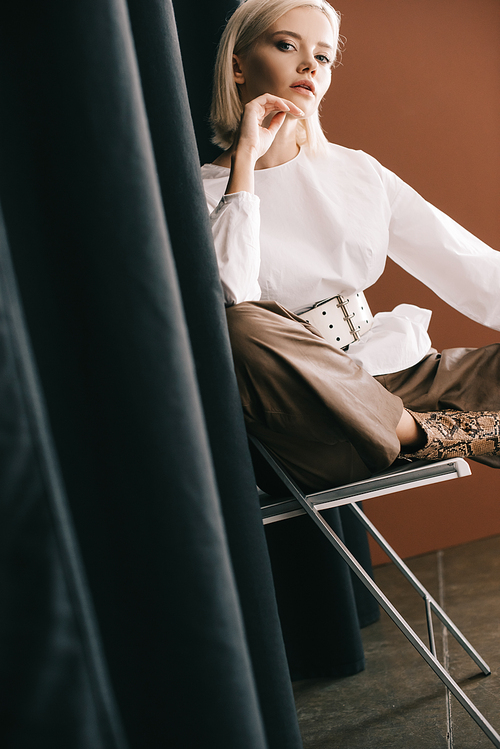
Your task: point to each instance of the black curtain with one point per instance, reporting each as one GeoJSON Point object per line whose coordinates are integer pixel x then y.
{"type": "Point", "coordinates": [200, 26]}
{"type": "Point", "coordinates": [137, 607]}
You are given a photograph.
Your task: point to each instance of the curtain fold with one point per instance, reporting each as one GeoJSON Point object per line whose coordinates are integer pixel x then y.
{"type": "Point", "coordinates": [54, 685]}
{"type": "Point", "coordinates": [200, 26]}
{"type": "Point", "coordinates": [162, 79]}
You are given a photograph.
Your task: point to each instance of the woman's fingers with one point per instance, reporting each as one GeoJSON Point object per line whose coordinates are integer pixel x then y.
{"type": "Point", "coordinates": [262, 119]}
{"type": "Point", "coordinates": [276, 123]}
{"type": "Point", "coordinates": [268, 103]}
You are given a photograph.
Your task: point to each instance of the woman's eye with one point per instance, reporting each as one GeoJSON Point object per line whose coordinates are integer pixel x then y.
{"type": "Point", "coordinates": [324, 59]}
{"type": "Point", "coordinates": [285, 46]}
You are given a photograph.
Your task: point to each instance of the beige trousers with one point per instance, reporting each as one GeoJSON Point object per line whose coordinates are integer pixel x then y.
{"type": "Point", "coordinates": [323, 416]}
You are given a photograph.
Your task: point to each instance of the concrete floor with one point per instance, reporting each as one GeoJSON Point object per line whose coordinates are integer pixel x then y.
{"type": "Point", "coordinates": [398, 701]}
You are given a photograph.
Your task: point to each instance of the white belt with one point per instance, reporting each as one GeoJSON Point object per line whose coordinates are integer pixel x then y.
{"type": "Point", "coordinates": [341, 320]}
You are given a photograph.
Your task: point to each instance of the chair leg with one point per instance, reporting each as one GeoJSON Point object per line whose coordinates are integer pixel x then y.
{"type": "Point", "coordinates": [405, 628]}
{"type": "Point", "coordinates": [430, 603]}
{"type": "Point", "coordinates": [430, 626]}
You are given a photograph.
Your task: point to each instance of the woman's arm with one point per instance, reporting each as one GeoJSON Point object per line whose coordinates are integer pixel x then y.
{"type": "Point", "coordinates": [460, 268]}
{"type": "Point", "coordinates": [261, 121]}
{"type": "Point", "coordinates": [235, 219]}
{"type": "Point", "coordinates": [235, 223]}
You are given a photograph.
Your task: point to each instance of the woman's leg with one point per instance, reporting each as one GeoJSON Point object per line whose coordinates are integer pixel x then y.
{"type": "Point", "coordinates": [409, 433]}
{"type": "Point", "coordinates": [460, 380]}
{"type": "Point", "coordinates": [326, 419]}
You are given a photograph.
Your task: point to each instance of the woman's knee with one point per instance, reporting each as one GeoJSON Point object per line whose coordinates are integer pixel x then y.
{"type": "Point", "coordinates": [260, 341]}
{"type": "Point", "coordinates": [241, 322]}
{"type": "Point", "coordinates": [252, 327]}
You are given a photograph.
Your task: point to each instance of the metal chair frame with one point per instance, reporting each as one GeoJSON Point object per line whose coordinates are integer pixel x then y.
{"type": "Point", "coordinates": [396, 480]}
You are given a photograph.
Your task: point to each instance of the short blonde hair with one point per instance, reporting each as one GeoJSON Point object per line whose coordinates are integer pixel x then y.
{"type": "Point", "coordinates": [251, 19]}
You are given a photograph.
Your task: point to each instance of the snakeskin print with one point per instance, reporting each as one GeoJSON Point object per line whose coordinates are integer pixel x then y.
{"type": "Point", "coordinates": [457, 434]}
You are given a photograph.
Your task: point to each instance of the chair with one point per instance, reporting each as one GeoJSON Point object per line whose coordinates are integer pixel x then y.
{"type": "Point", "coordinates": [394, 480]}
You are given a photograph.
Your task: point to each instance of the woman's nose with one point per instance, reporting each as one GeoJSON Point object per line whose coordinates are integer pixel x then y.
{"type": "Point", "coordinates": [309, 63]}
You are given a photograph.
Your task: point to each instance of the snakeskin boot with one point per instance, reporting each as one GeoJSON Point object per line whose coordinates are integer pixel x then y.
{"type": "Point", "coordinates": [457, 434]}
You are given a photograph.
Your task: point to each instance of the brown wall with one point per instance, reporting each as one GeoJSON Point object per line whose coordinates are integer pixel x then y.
{"type": "Point", "coordinates": [419, 89]}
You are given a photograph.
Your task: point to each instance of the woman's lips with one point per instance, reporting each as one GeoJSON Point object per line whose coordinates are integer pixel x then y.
{"type": "Point", "coordinates": [304, 87]}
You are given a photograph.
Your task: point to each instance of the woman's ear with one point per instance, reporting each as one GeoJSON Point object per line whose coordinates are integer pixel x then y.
{"type": "Point", "coordinates": [239, 78]}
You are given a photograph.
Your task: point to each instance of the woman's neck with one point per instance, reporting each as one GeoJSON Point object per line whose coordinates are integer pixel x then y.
{"type": "Point", "coordinates": [280, 152]}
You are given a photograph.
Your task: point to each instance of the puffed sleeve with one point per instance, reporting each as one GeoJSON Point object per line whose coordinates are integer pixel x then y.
{"type": "Point", "coordinates": [235, 221]}
{"type": "Point", "coordinates": [460, 268]}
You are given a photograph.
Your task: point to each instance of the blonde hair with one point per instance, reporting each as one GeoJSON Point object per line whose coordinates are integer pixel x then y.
{"type": "Point", "coordinates": [251, 19]}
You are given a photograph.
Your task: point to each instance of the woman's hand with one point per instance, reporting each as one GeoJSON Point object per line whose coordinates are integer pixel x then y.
{"type": "Point", "coordinates": [254, 138]}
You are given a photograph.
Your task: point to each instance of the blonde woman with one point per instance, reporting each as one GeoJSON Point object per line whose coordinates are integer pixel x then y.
{"type": "Point", "coordinates": [296, 221]}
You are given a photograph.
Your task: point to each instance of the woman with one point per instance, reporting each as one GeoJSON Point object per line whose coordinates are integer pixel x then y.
{"type": "Point", "coordinates": [297, 220]}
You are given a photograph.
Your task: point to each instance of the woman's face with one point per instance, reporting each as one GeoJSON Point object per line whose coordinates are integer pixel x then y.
{"type": "Point", "coordinates": [292, 59]}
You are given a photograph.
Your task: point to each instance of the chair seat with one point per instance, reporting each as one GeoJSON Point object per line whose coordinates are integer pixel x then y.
{"type": "Point", "coordinates": [409, 476]}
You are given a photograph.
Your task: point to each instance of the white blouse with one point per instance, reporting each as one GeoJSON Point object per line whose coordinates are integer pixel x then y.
{"type": "Point", "coordinates": [319, 226]}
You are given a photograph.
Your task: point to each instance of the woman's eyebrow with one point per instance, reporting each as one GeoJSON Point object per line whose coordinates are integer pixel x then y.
{"type": "Point", "coordinates": [298, 36]}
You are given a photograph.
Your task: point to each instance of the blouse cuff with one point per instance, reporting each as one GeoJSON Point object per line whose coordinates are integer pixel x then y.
{"type": "Point", "coordinates": [239, 198]}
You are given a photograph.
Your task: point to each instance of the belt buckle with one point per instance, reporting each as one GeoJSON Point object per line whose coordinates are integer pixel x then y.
{"type": "Point", "coordinates": [338, 324]}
